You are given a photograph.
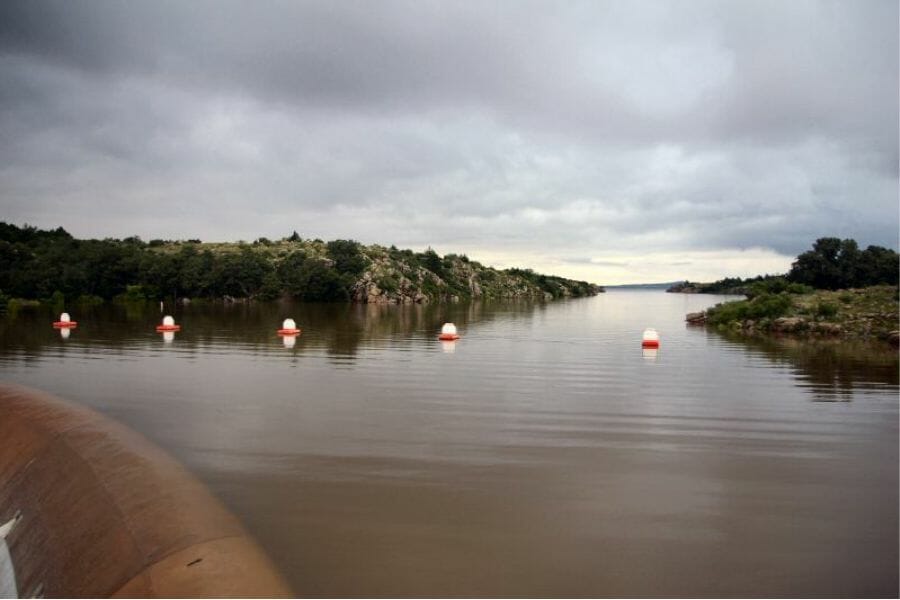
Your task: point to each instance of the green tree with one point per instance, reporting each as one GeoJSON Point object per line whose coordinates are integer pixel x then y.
{"type": "Point", "coordinates": [346, 256]}
{"type": "Point", "coordinates": [834, 264]}
{"type": "Point", "coordinates": [878, 265]}
{"type": "Point", "coordinates": [195, 272]}
{"type": "Point", "coordinates": [240, 275]}
{"type": "Point", "coordinates": [291, 274]}
{"type": "Point", "coordinates": [432, 261]}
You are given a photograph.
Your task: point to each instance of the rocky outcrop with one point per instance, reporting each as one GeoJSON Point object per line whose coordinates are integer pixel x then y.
{"type": "Point", "coordinates": [788, 325]}
{"type": "Point", "coordinates": [827, 329]}
{"type": "Point", "coordinates": [696, 318]}
{"type": "Point", "coordinates": [401, 277]}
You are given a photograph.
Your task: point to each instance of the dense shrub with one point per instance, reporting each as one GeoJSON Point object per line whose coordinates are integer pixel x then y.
{"type": "Point", "coordinates": [826, 310]}
{"type": "Point", "coordinates": [765, 306]}
{"type": "Point", "coordinates": [776, 285]}
{"type": "Point", "coordinates": [387, 283]}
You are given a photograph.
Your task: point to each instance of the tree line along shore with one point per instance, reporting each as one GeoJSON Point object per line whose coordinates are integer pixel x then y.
{"type": "Point", "coordinates": [833, 290]}
{"type": "Point", "coordinates": [52, 266]}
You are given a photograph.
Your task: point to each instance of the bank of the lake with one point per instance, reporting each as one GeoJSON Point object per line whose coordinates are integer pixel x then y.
{"type": "Point", "coordinates": [54, 267]}
{"type": "Point", "coordinates": [867, 313]}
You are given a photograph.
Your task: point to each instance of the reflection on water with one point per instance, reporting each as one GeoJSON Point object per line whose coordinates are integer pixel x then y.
{"type": "Point", "coordinates": [650, 353]}
{"type": "Point", "coordinates": [544, 453]}
{"type": "Point", "coordinates": [832, 369]}
{"type": "Point", "coordinates": [339, 328]}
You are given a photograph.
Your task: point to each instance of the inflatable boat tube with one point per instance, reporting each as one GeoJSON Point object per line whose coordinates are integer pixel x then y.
{"type": "Point", "coordinates": [90, 508]}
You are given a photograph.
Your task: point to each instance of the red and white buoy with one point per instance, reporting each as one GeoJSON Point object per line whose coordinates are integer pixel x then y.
{"type": "Point", "coordinates": [448, 332]}
{"type": "Point", "coordinates": [168, 324]}
{"type": "Point", "coordinates": [65, 322]}
{"type": "Point", "coordinates": [289, 327]}
{"type": "Point", "coordinates": [650, 338]}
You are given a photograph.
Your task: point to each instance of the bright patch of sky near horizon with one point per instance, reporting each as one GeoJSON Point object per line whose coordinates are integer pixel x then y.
{"type": "Point", "coordinates": [610, 141]}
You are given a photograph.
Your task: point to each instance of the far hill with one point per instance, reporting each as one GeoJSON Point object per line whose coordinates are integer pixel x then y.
{"type": "Point", "coordinates": [40, 264]}
{"type": "Point", "coordinates": [644, 286]}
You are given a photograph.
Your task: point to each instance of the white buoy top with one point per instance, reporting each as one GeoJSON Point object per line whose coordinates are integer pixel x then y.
{"type": "Point", "coordinates": [168, 320]}
{"type": "Point", "coordinates": [449, 328]}
{"type": "Point", "coordinates": [65, 318]}
{"type": "Point", "coordinates": [289, 324]}
{"type": "Point", "coordinates": [650, 335]}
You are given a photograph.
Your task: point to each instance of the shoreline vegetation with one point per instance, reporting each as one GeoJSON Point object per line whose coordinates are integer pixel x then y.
{"type": "Point", "coordinates": [51, 266]}
{"type": "Point", "coordinates": [832, 291]}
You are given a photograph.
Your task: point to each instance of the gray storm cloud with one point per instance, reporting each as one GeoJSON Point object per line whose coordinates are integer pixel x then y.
{"type": "Point", "coordinates": [583, 129]}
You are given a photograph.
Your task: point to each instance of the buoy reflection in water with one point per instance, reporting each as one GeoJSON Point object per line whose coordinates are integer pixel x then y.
{"type": "Point", "coordinates": [289, 340]}
{"type": "Point", "coordinates": [65, 332]}
{"type": "Point", "coordinates": [448, 346]}
{"type": "Point", "coordinates": [168, 336]}
{"type": "Point", "coordinates": [649, 353]}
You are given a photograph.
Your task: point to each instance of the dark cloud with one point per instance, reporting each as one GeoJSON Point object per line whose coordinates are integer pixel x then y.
{"type": "Point", "coordinates": [579, 127]}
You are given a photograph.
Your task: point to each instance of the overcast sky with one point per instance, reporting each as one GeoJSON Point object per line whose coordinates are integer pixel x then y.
{"type": "Point", "coordinates": [610, 141]}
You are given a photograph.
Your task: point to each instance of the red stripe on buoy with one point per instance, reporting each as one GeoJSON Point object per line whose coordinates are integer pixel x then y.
{"type": "Point", "coordinates": [289, 332]}
{"type": "Point", "coordinates": [650, 344]}
{"type": "Point", "coordinates": [168, 327]}
{"type": "Point", "coordinates": [448, 337]}
{"type": "Point", "coordinates": [64, 324]}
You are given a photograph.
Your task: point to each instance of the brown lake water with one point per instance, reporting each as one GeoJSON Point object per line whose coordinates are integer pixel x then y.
{"type": "Point", "coordinates": [543, 454]}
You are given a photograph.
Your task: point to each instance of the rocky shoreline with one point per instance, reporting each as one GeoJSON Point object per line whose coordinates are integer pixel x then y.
{"type": "Point", "coordinates": [393, 280]}
{"type": "Point", "coordinates": [865, 314]}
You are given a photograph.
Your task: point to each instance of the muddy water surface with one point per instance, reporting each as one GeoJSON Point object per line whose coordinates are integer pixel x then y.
{"type": "Point", "coordinates": [544, 454]}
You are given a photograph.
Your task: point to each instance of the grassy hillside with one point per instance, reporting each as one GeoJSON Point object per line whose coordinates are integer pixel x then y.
{"type": "Point", "coordinates": [36, 264]}
{"type": "Point", "coordinates": [389, 275]}
{"type": "Point", "coordinates": [865, 313]}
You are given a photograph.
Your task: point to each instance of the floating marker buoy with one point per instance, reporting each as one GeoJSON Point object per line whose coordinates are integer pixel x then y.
{"type": "Point", "coordinates": [289, 327]}
{"type": "Point", "coordinates": [448, 332]}
{"type": "Point", "coordinates": [650, 339]}
{"type": "Point", "coordinates": [168, 324]}
{"type": "Point", "coordinates": [65, 322]}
